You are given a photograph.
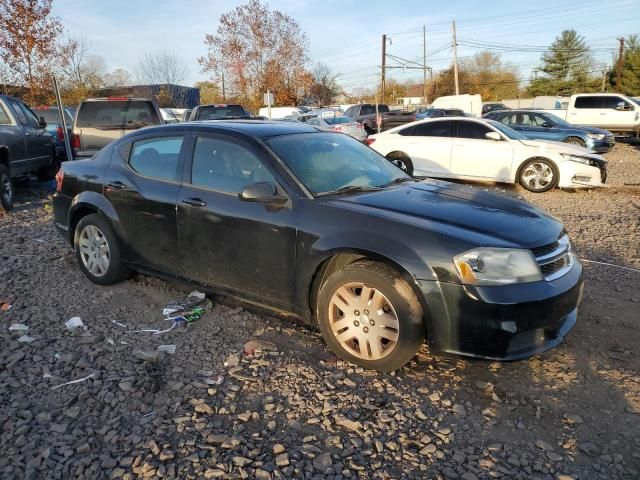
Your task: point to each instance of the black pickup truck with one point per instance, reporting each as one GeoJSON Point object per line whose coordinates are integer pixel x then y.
{"type": "Point", "coordinates": [365, 113]}
{"type": "Point", "coordinates": [25, 147]}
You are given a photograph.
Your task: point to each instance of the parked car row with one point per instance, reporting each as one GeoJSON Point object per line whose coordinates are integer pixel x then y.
{"type": "Point", "coordinates": [313, 223]}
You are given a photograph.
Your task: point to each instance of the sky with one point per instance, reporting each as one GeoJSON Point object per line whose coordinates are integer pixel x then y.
{"type": "Point", "coordinates": [346, 34]}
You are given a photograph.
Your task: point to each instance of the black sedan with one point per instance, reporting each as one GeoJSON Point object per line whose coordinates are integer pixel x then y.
{"type": "Point", "coordinates": [316, 224]}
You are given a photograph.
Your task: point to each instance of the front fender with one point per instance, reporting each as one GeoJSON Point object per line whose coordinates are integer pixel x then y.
{"type": "Point", "coordinates": [378, 246]}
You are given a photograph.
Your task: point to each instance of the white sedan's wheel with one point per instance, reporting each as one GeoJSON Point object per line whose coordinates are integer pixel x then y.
{"type": "Point", "coordinates": [538, 175]}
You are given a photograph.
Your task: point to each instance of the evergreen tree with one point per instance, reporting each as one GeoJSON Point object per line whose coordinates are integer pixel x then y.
{"type": "Point", "coordinates": [630, 82]}
{"type": "Point", "coordinates": [566, 67]}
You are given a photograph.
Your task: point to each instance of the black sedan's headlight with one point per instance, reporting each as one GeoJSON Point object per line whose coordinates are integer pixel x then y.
{"type": "Point", "coordinates": [497, 266]}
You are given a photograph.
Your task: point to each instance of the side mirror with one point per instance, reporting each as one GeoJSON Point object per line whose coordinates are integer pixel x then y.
{"type": "Point", "coordinates": [621, 106]}
{"type": "Point", "coordinates": [262, 192]}
{"type": "Point", "coordinates": [547, 125]}
{"type": "Point", "coordinates": [493, 136]}
{"type": "Point", "coordinates": [41, 122]}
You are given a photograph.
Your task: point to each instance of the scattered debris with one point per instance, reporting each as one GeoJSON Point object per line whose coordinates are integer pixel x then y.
{"type": "Point", "coordinates": [74, 323]}
{"type": "Point", "coordinates": [257, 346]}
{"type": "Point", "coordinates": [5, 306]}
{"type": "Point", "coordinates": [148, 355]}
{"type": "Point", "coordinates": [18, 327]}
{"type": "Point", "coordinates": [91, 375]}
{"type": "Point", "coordinates": [26, 339]}
{"type": "Point", "coordinates": [214, 380]}
{"type": "Point", "coordinates": [170, 349]}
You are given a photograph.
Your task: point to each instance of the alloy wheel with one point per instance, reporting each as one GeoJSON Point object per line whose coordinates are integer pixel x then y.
{"type": "Point", "coordinates": [363, 321]}
{"type": "Point", "coordinates": [94, 250]}
{"type": "Point", "coordinates": [538, 175]}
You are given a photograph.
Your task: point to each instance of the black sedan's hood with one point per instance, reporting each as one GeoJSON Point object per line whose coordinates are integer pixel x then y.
{"type": "Point", "coordinates": [463, 212]}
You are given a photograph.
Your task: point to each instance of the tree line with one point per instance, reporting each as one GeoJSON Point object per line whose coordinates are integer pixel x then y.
{"type": "Point", "coordinates": [255, 49]}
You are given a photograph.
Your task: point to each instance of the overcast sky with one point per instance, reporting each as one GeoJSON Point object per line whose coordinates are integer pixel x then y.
{"type": "Point", "coordinates": [346, 34]}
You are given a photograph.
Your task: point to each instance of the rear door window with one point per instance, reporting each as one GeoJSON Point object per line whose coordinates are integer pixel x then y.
{"type": "Point", "coordinates": [157, 157]}
{"type": "Point", "coordinates": [225, 167]}
{"type": "Point", "coordinates": [432, 129]}
{"type": "Point", "coordinates": [4, 116]}
{"type": "Point", "coordinates": [117, 114]}
{"type": "Point", "coordinates": [216, 112]}
{"type": "Point", "coordinates": [589, 102]}
{"type": "Point", "coordinates": [474, 130]}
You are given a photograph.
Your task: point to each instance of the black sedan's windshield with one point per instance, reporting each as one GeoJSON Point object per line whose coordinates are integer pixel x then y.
{"type": "Point", "coordinates": [328, 162]}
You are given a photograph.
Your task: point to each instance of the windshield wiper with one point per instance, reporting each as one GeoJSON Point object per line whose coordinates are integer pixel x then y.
{"type": "Point", "coordinates": [395, 181]}
{"type": "Point", "coordinates": [349, 189]}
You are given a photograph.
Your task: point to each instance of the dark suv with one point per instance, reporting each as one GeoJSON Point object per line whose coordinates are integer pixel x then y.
{"type": "Point", "coordinates": [99, 121]}
{"type": "Point", "coordinates": [25, 147]}
{"type": "Point", "coordinates": [220, 111]}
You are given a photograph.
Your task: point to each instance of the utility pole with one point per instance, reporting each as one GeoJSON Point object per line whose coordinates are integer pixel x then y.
{"type": "Point", "coordinates": [455, 59]}
{"type": "Point", "coordinates": [384, 63]}
{"type": "Point", "coordinates": [619, 69]}
{"type": "Point", "coordinates": [424, 65]}
{"type": "Point", "coordinates": [604, 76]}
{"type": "Point", "coordinates": [224, 96]}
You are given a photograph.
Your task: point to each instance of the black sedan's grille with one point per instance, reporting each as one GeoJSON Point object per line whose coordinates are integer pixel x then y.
{"type": "Point", "coordinates": [545, 249]}
{"type": "Point", "coordinates": [554, 259]}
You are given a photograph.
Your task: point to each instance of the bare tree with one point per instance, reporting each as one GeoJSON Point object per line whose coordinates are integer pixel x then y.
{"type": "Point", "coordinates": [162, 67]}
{"type": "Point", "coordinates": [118, 78]}
{"type": "Point", "coordinates": [84, 70]}
{"type": "Point", "coordinates": [325, 86]}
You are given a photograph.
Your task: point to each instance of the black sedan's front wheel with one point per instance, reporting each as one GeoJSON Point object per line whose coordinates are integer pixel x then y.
{"type": "Point", "coordinates": [97, 250]}
{"type": "Point", "coordinates": [369, 315]}
{"type": "Point", "coordinates": [402, 161]}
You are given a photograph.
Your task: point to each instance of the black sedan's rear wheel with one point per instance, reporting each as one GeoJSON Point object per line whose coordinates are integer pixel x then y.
{"type": "Point", "coordinates": [97, 250]}
{"type": "Point", "coordinates": [6, 189]}
{"type": "Point", "coordinates": [369, 315]}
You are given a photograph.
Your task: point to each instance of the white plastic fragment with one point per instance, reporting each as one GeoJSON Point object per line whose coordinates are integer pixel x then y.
{"type": "Point", "coordinates": [196, 294]}
{"type": "Point", "coordinates": [18, 327]}
{"type": "Point", "coordinates": [75, 381]}
{"type": "Point", "coordinates": [73, 323]}
{"type": "Point", "coordinates": [26, 339]}
{"type": "Point", "coordinates": [170, 349]}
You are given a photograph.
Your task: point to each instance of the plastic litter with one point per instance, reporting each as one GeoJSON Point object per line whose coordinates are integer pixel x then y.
{"type": "Point", "coordinates": [214, 380]}
{"type": "Point", "coordinates": [26, 339]}
{"type": "Point", "coordinates": [19, 327]}
{"type": "Point", "coordinates": [170, 349]}
{"type": "Point", "coordinates": [73, 323]}
{"type": "Point", "coordinates": [91, 375]}
{"type": "Point", "coordinates": [5, 306]}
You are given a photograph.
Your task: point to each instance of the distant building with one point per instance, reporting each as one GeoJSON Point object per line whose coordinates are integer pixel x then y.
{"type": "Point", "coordinates": [167, 95]}
{"type": "Point", "coordinates": [413, 96]}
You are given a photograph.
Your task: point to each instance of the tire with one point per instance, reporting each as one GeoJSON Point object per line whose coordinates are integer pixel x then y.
{"type": "Point", "coordinates": [575, 141]}
{"type": "Point", "coordinates": [396, 303]}
{"type": "Point", "coordinates": [369, 130]}
{"type": "Point", "coordinates": [538, 175]}
{"type": "Point", "coordinates": [92, 233]}
{"type": "Point", "coordinates": [6, 189]}
{"type": "Point", "coordinates": [402, 161]}
{"type": "Point", "coordinates": [49, 172]}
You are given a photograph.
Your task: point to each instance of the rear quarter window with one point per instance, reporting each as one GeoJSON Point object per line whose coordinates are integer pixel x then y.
{"type": "Point", "coordinates": [4, 116]}
{"type": "Point", "coordinates": [117, 114]}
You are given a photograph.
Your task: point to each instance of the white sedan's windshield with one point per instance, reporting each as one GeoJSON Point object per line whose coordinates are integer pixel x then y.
{"type": "Point", "coordinates": [508, 131]}
{"type": "Point", "coordinates": [327, 162]}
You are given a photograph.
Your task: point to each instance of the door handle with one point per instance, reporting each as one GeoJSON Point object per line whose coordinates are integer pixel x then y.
{"type": "Point", "coordinates": [117, 185]}
{"type": "Point", "coordinates": [195, 202]}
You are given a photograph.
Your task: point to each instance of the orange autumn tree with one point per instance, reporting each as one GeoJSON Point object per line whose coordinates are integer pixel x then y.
{"type": "Point", "coordinates": [257, 49]}
{"type": "Point", "coordinates": [31, 45]}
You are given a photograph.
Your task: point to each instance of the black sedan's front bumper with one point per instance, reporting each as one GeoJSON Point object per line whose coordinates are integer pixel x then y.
{"type": "Point", "coordinates": [508, 322]}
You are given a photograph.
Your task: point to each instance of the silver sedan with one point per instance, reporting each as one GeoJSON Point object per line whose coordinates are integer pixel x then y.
{"type": "Point", "coordinates": [340, 124]}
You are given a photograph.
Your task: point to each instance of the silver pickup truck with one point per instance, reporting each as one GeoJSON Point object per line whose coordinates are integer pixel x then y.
{"type": "Point", "coordinates": [25, 147]}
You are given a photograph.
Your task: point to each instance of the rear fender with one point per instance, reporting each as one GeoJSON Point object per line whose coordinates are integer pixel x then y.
{"type": "Point", "coordinates": [87, 201]}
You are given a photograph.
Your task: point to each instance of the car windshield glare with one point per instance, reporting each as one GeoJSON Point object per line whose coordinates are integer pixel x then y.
{"type": "Point", "coordinates": [506, 130]}
{"type": "Point", "coordinates": [327, 162]}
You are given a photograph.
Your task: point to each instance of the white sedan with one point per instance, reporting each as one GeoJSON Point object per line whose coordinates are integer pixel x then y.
{"type": "Point", "coordinates": [478, 149]}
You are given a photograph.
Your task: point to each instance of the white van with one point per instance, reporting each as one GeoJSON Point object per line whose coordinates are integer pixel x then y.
{"type": "Point", "coordinates": [281, 112]}
{"type": "Point", "coordinates": [467, 103]}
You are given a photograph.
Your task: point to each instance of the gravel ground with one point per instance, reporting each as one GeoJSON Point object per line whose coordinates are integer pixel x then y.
{"type": "Point", "coordinates": [285, 408]}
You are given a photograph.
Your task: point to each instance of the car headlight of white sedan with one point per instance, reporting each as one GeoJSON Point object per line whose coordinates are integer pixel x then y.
{"type": "Point", "coordinates": [577, 158]}
{"type": "Point", "coordinates": [497, 266]}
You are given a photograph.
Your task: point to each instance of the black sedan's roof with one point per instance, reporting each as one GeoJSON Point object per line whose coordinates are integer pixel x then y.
{"type": "Point", "coordinates": [254, 128]}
